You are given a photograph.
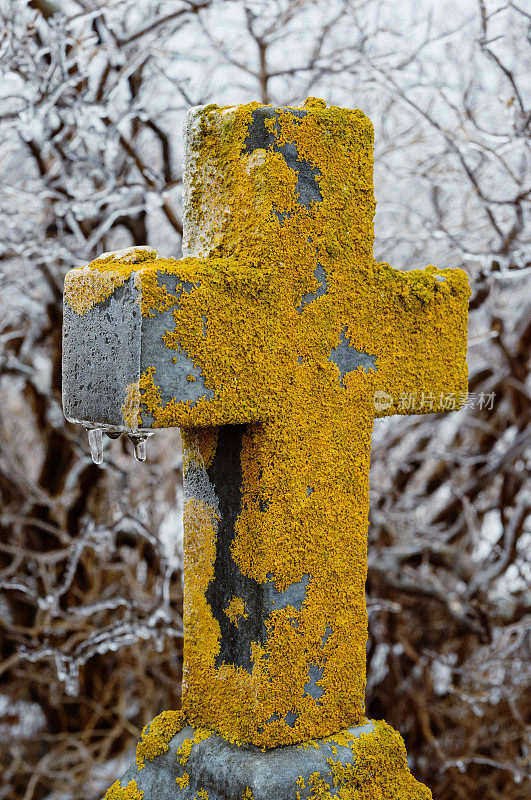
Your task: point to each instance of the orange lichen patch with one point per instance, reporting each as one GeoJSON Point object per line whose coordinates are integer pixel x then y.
{"type": "Point", "coordinates": [155, 296]}
{"type": "Point", "coordinates": [131, 406]}
{"type": "Point", "coordinates": [200, 524]}
{"type": "Point", "coordinates": [313, 102]}
{"type": "Point", "coordinates": [150, 392]}
{"type": "Point", "coordinates": [263, 540]}
{"type": "Point", "coordinates": [333, 139]}
{"type": "Point", "coordinates": [378, 770]}
{"type": "Point", "coordinates": [156, 736]}
{"type": "Point", "coordinates": [183, 781]}
{"type": "Point", "coordinates": [86, 286]}
{"type": "Point", "coordinates": [266, 355]}
{"type": "Point", "coordinates": [200, 448]}
{"type": "Point", "coordinates": [119, 792]}
{"type": "Point", "coordinates": [202, 794]}
{"type": "Point", "coordinates": [200, 734]}
{"type": "Point", "coordinates": [235, 609]}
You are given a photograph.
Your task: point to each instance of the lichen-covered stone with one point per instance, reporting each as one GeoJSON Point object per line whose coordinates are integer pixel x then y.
{"type": "Point", "coordinates": [359, 763]}
{"type": "Point", "coordinates": [267, 345]}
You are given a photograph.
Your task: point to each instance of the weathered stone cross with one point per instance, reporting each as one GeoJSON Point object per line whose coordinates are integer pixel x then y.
{"type": "Point", "coordinates": [272, 344]}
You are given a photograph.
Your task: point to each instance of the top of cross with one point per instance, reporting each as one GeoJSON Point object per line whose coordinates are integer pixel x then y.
{"type": "Point", "coordinates": [278, 235]}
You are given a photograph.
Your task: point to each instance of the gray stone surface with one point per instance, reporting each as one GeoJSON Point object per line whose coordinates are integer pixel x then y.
{"type": "Point", "coordinates": [293, 595]}
{"type": "Point", "coordinates": [259, 137]}
{"type": "Point", "coordinates": [108, 348]}
{"type": "Point", "coordinates": [101, 356]}
{"type": "Point", "coordinates": [226, 770]}
{"type": "Point", "coordinates": [347, 358]}
{"type": "Point", "coordinates": [320, 275]}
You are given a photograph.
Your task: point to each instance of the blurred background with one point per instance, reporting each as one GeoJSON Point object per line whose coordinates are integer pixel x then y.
{"type": "Point", "coordinates": [92, 98]}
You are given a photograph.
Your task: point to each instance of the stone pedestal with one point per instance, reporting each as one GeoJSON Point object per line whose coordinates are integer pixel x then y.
{"type": "Point", "coordinates": [190, 763]}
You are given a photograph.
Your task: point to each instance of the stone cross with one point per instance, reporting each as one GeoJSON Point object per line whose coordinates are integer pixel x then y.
{"type": "Point", "coordinates": [273, 344]}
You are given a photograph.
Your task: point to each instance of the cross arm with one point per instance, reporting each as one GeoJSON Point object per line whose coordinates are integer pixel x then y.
{"type": "Point", "coordinates": [152, 342]}
{"type": "Point", "coordinates": [415, 325]}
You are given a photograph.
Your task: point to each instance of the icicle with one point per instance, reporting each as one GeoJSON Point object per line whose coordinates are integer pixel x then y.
{"type": "Point", "coordinates": [72, 680]}
{"type": "Point", "coordinates": [139, 443]}
{"type": "Point", "coordinates": [95, 438]}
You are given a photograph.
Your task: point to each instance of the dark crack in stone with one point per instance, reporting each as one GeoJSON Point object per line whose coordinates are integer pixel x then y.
{"type": "Point", "coordinates": [225, 475]}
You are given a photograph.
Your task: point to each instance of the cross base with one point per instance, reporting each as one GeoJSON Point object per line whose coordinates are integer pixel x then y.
{"type": "Point", "coordinates": [367, 761]}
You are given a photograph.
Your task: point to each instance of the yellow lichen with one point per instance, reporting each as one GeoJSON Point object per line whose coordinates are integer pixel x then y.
{"type": "Point", "coordinates": [185, 748]}
{"type": "Point", "coordinates": [131, 406]}
{"type": "Point", "coordinates": [266, 356]}
{"type": "Point", "coordinates": [183, 781]}
{"type": "Point", "coordinates": [156, 736]}
{"type": "Point", "coordinates": [378, 770]}
{"type": "Point", "coordinates": [119, 792]}
{"type": "Point", "coordinates": [235, 609]}
{"type": "Point", "coordinates": [86, 286]}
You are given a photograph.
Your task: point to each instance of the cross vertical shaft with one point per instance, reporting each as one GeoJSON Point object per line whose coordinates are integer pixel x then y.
{"type": "Point", "coordinates": [280, 600]}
